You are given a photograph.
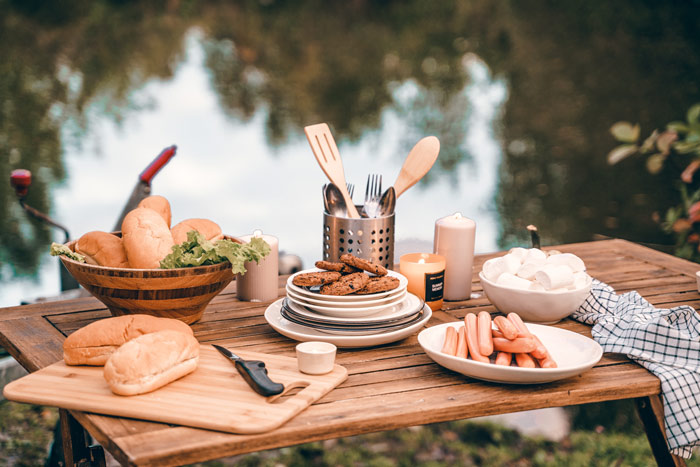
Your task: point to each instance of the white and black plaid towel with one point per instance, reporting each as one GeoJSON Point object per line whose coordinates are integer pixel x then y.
{"type": "Point", "coordinates": [665, 342]}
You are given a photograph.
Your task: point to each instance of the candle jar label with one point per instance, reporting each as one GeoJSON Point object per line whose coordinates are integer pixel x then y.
{"type": "Point", "coordinates": [434, 286]}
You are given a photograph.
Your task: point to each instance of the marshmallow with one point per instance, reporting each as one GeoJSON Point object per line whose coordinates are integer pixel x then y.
{"type": "Point", "coordinates": [535, 255]}
{"type": "Point", "coordinates": [512, 263]}
{"type": "Point", "coordinates": [581, 279]}
{"type": "Point", "coordinates": [567, 259]}
{"type": "Point", "coordinates": [554, 277]}
{"type": "Point", "coordinates": [528, 270]}
{"type": "Point", "coordinates": [536, 286]}
{"type": "Point", "coordinates": [518, 252]}
{"type": "Point", "coordinates": [493, 268]}
{"type": "Point", "coordinates": [510, 280]}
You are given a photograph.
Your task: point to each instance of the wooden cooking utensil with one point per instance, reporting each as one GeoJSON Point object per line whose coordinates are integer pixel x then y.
{"type": "Point", "coordinates": [417, 163]}
{"type": "Point", "coordinates": [326, 152]}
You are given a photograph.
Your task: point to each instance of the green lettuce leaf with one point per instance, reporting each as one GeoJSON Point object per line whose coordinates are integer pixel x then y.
{"type": "Point", "coordinates": [58, 249]}
{"type": "Point", "coordinates": [198, 251]}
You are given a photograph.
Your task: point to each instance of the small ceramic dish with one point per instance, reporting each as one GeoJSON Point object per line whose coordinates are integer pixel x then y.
{"type": "Point", "coordinates": [316, 358]}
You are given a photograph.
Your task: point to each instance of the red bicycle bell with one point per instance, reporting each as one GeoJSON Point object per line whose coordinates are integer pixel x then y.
{"type": "Point", "coordinates": [20, 179]}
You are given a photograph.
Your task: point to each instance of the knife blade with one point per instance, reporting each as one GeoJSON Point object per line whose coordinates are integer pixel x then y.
{"type": "Point", "coordinates": [253, 372]}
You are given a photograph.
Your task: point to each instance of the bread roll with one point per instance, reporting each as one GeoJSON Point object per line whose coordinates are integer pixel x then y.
{"type": "Point", "coordinates": [147, 238]}
{"type": "Point", "coordinates": [209, 230]}
{"type": "Point", "coordinates": [160, 205]}
{"type": "Point", "coordinates": [150, 361]}
{"type": "Point", "coordinates": [103, 249]}
{"type": "Point", "coordinates": [94, 343]}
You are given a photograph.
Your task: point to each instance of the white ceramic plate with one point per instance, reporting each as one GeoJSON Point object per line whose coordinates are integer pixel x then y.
{"type": "Point", "coordinates": [301, 333]}
{"type": "Point", "coordinates": [408, 306]}
{"type": "Point", "coordinates": [317, 299]}
{"type": "Point", "coordinates": [403, 283]}
{"type": "Point", "coordinates": [351, 312]}
{"type": "Point", "coordinates": [573, 353]}
{"type": "Point", "coordinates": [350, 330]}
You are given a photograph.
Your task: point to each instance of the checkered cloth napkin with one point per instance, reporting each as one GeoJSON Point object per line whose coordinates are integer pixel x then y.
{"type": "Point", "coordinates": [665, 342]}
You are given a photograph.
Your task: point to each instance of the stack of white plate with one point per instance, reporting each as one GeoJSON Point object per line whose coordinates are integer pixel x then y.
{"type": "Point", "coordinates": [348, 320]}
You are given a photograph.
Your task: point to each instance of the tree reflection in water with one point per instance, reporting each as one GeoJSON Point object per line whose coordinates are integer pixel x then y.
{"type": "Point", "coordinates": [571, 69]}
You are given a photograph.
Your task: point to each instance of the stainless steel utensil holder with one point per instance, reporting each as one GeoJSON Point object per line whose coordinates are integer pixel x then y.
{"type": "Point", "coordinates": [368, 238]}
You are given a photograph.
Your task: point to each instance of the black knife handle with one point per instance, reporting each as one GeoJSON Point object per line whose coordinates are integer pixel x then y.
{"type": "Point", "coordinates": [255, 374]}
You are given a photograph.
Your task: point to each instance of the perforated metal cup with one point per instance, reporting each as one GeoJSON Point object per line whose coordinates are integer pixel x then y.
{"type": "Point", "coordinates": [368, 238]}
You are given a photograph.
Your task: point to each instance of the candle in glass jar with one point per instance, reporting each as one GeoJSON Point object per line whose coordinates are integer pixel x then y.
{"type": "Point", "coordinates": [454, 239]}
{"type": "Point", "coordinates": [260, 282]}
{"type": "Point", "coordinates": [425, 273]}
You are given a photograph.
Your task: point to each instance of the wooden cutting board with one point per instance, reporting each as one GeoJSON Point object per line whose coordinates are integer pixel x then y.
{"type": "Point", "coordinates": [215, 396]}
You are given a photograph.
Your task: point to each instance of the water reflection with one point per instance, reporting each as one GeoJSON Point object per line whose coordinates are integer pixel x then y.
{"type": "Point", "coordinates": [90, 94]}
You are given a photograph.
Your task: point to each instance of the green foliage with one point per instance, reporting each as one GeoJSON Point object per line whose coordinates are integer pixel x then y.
{"type": "Point", "coordinates": [678, 145]}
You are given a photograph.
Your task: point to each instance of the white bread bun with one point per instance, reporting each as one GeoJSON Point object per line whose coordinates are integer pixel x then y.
{"type": "Point", "coordinates": [102, 249]}
{"type": "Point", "coordinates": [160, 205]}
{"type": "Point", "coordinates": [94, 343]}
{"type": "Point", "coordinates": [151, 361]}
{"type": "Point", "coordinates": [147, 238]}
{"type": "Point", "coordinates": [209, 230]}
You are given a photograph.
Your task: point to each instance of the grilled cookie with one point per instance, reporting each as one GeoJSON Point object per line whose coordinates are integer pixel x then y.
{"type": "Point", "coordinates": [363, 264]}
{"type": "Point", "coordinates": [339, 267]}
{"type": "Point", "coordinates": [379, 284]}
{"type": "Point", "coordinates": [309, 279]}
{"type": "Point", "coordinates": [346, 284]}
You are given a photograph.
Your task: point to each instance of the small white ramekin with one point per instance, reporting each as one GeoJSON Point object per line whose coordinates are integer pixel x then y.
{"type": "Point", "coordinates": [315, 357]}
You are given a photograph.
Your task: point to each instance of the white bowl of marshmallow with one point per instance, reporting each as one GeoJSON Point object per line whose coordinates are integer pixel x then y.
{"type": "Point", "coordinates": [540, 286]}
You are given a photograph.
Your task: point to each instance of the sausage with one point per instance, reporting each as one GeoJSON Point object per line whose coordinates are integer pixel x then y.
{"type": "Point", "coordinates": [514, 318]}
{"type": "Point", "coordinates": [524, 360]}
{"type": "Point", "coordinates": [545, 360]}
{"type": "Point", "coordinates": [462, 350]}
{"type": "Point", "coordinates": [470, 323]}
{"type": "Point", "coordinates": [450, 345]}
{"type": "Point", "coordinates": [484, 333]}
{"type": "Point", "coordinates": [504, 358]}
{"type": "Point", "coordinates": [507, 328]}
{"type": "Point", "coordinates": [518, 345]}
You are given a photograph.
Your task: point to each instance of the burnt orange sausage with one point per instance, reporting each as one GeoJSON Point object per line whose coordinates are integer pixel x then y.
{"type": "Point", "coordinates": [518, 345]}
{"type": "Point", "coordinates": [450, 345]}
{"type": "Point", "coordinates": [462, 350]}
{"type": "Point", "coordinates": [542, 354]}
{"type": "Point", "coordinates": [484, 333]}
{"type": "Point", "coordinates": [470, 323]}
{"type": "Point", "coordinates": [504, 358]}
{"type": "Point", "coordinates": [524, 360]}
{"type": "Point", "coordinates": [519, 325]}
{"type": "Point", "coordinates": [506, 327]}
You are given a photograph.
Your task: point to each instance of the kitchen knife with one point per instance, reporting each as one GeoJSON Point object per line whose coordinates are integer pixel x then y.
{"type": "Point", "coordinates": [253, 372]}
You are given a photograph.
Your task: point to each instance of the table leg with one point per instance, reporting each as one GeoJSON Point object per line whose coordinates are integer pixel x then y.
{"type": "Point", "coordinates": [77, 450]}
{"type": "Point", "coordinates": [651, 411]}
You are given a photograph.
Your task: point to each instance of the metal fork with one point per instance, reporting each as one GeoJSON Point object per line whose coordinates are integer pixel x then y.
{"type": "Point", "coordinates": [351, 189]}
{"type": "Point", "coordinates": [373, 193]}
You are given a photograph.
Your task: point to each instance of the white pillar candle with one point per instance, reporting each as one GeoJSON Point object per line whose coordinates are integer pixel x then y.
{"type": "Point", "coordinates": [260, 282]}
{"type": "Point", "coordinates": [454, 239]}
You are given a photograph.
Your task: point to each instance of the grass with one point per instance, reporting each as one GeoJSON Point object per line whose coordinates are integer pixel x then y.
{"type": "Point", "coordinates": [604, 435]}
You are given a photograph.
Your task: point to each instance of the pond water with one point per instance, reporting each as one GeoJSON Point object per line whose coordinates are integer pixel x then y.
{"type": "Point", "coordinates": [520, 95]}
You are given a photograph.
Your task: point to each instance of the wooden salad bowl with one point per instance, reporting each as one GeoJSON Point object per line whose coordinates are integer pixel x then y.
{"type": "Point", "coordinates": [181, 293]}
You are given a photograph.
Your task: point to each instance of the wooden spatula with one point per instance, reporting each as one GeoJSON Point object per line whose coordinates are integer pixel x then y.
{"type": "Point", "coordinates": [326, 152]}
{"type": "Point", "coordinates": [417, 163]}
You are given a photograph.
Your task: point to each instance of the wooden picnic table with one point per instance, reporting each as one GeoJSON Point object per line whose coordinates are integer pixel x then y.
{"type": "Point", "coordinates": [389, 387]}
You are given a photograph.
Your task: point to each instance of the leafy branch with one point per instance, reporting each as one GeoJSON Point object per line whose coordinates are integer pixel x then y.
{"type": "Point", "coordinates": [678, 143]}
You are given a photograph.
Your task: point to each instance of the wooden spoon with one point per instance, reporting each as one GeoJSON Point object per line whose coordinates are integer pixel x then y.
{"type": "Point", "coordinates": [417, 163]}
{"type": "Point", "coordinates": [326, 152]}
